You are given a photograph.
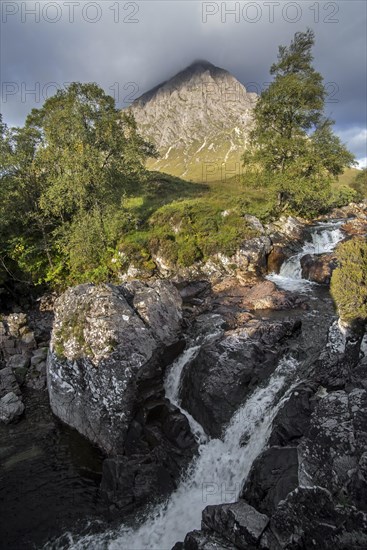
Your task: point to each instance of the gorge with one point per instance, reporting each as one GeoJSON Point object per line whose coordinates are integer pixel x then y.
{"type": "Point", "coordinates": [225, 434]}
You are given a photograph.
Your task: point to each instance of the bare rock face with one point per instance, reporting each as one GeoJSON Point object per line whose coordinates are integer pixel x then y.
{"type": "Point", "coordinates": [200, 115]}
{"type": "Point", "coordinates": [105, 339]}
{"type": "Point", "coordinates": [218, 379]}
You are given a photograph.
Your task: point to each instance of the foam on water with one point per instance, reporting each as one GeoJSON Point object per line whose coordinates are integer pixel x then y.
{"type": "Point", "coordinates": [324, 238]}
{"type": "Point", "coordinates": [214, 477]}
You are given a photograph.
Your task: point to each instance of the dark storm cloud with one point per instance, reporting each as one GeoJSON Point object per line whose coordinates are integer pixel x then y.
{"type": "Point", "coordinates": [132, 46]}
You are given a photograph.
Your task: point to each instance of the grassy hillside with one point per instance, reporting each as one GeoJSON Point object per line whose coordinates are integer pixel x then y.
{"type": "Point", "coordinates": [186, 222]}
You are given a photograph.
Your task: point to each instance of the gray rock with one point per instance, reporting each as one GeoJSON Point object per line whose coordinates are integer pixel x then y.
{"type": "Point", "coordinates": [273, 475]}
{"type": "Point", "coordinates": [293, 420]}
{"type": "Point", "coordinates": [327, 455]}
{"type": "Point", "coordinates": [11, 408]}
{"type": "Point", "coordinates": [218, 379]}
{"type": "Point", "coordinates": [18, 361]}
{"type": "Point", "coordinates": [308, 518]}
{"type": "Point", "coordinates": [8, 382]}
{"type": "Point", "coordinates": [239, 523]}
{"type": "Point", "coordinates": [103, 339]}
{"type": "Point", "coordinates": [202, 540]}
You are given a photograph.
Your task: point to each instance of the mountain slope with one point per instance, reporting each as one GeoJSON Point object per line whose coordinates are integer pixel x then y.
{"type": "Point", "coordinates": [199, 121]}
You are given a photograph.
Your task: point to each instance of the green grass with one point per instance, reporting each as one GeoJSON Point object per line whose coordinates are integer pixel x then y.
{"type": "Point", "coordinates": [184, 222]}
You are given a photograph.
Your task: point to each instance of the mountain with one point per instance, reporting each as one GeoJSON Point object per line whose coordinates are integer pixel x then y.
{"type": "Point", "coordinates": [198, 119]}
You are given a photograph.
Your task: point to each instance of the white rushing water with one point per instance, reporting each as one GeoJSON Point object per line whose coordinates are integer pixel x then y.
{"type": "Point", "coordinates": [214, 477]}
{"type": "Point", "coordinates": [172, 387]}
{"type": "Point", "coordinates": [324, 238]}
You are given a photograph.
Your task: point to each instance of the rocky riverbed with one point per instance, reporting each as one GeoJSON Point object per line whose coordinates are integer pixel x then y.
{"type": "Point", "coordinates": [220, 403]}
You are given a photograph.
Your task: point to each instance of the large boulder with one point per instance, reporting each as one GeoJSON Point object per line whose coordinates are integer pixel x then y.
{"type": "Point", "coordinates": [293, 419]}
{"type": "Point", "coordinates": [225, 370]}
{"type": "Point", "coordinates": [333, 453]}
{"type": "Point", "coordinates": [156, 452]}
{"type": "Point", "coordinates": [106, 341]}
{"type": "Point", "coordinates": [318, 268]}
{"type": "Point", "coordinates": [239, 523]}
{"type": "Point", "coordinates": [309, 518]}
{"type": "Point", "coordinates": [273, 475]}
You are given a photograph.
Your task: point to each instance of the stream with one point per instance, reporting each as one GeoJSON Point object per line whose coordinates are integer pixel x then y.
{"type": "Point", "coordinates": [217, 474]}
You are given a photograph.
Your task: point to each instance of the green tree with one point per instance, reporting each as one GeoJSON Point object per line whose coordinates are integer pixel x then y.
{"type": "Point", "coordinates": [64, 177]}
{"type": "Point", "coordinates": [292, 147]}
{"type": "Point", "coordinates": [360, 184]}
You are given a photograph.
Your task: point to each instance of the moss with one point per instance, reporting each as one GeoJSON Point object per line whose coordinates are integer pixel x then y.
{"type": "Point", "coordinates": [72, 328]}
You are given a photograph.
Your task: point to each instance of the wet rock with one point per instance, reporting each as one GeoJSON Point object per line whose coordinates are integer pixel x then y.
{"type": "Point", "coordinates": [318, 268]}
{"type": "Point", "coordinates": [273, 475]}
{"type": "Point", "coordinates": [293, 420]}
{"type": "Point", "coordinates": [105, 339]}
{"type": "Point", "coordinates": [286, 235]}
{"type": "Point", "coordinates": [203, 540]}
{"type": "Point", "coordinates": [159, 445]}
{"type": "Point", "coordinates": [308, 518]}
{"type": "Point", "coordinates": [11, 408]}
{"type": "Point", "coordinates": [278, 255]}
{"type": "Point", "coordinates": [239, 523]}
{"type": "Point", "coordinates": [218, 379]}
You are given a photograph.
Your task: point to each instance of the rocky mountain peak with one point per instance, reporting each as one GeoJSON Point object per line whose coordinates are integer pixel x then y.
{"type": "Point", "coordinates": [199, 120]}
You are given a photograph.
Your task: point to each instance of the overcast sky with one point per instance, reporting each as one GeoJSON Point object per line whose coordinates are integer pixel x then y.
{"type": "Point", "coordinates": [129, 47]}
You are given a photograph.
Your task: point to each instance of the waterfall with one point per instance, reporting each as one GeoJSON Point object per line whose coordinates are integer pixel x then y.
{"type": "Point", "coordinates": [172, 387]}
{"type": "Point", "coordinates": [324, 238]}
{"type": "Point", "coordinates": [214, 477]}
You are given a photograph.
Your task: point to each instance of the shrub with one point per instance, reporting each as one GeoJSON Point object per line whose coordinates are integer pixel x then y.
{"type": "Point", "coordinates": [349, 281]}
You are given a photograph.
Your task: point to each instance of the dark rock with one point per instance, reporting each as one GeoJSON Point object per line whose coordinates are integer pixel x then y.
{"type": "Point", "coordinates": [8, 382]}
{"type": "Point", "coordinates": [293, 419]}
{"type": "Point", "coordinates": [107, 344]}
{"type": "Point", "coordinates": [218, 379]}
{"type": "Point", "coordinates": [330, 454]}
{"type": "Point", "coordinates": [158, 447]}
{"type": "Point", "coordinates": [239, 523]}
{"type": "Point", "coordinates": [193, 289]}
{"type": "Point", "coordinates": [318, 268]}
{"type": "Point", "coordinates": [273, 475]}
{"type": "Point", "coordinates": [202, 540]}
{"type": "Point", "coordinates": [308, 518]}
{"type": "Point", "coordinates": [277, 257]}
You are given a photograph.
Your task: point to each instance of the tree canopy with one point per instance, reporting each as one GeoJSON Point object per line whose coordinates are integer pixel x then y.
{"type": "Point", "coordinates": [63, 180]}
{"type": "Point", "coordinates": [292, 146]}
